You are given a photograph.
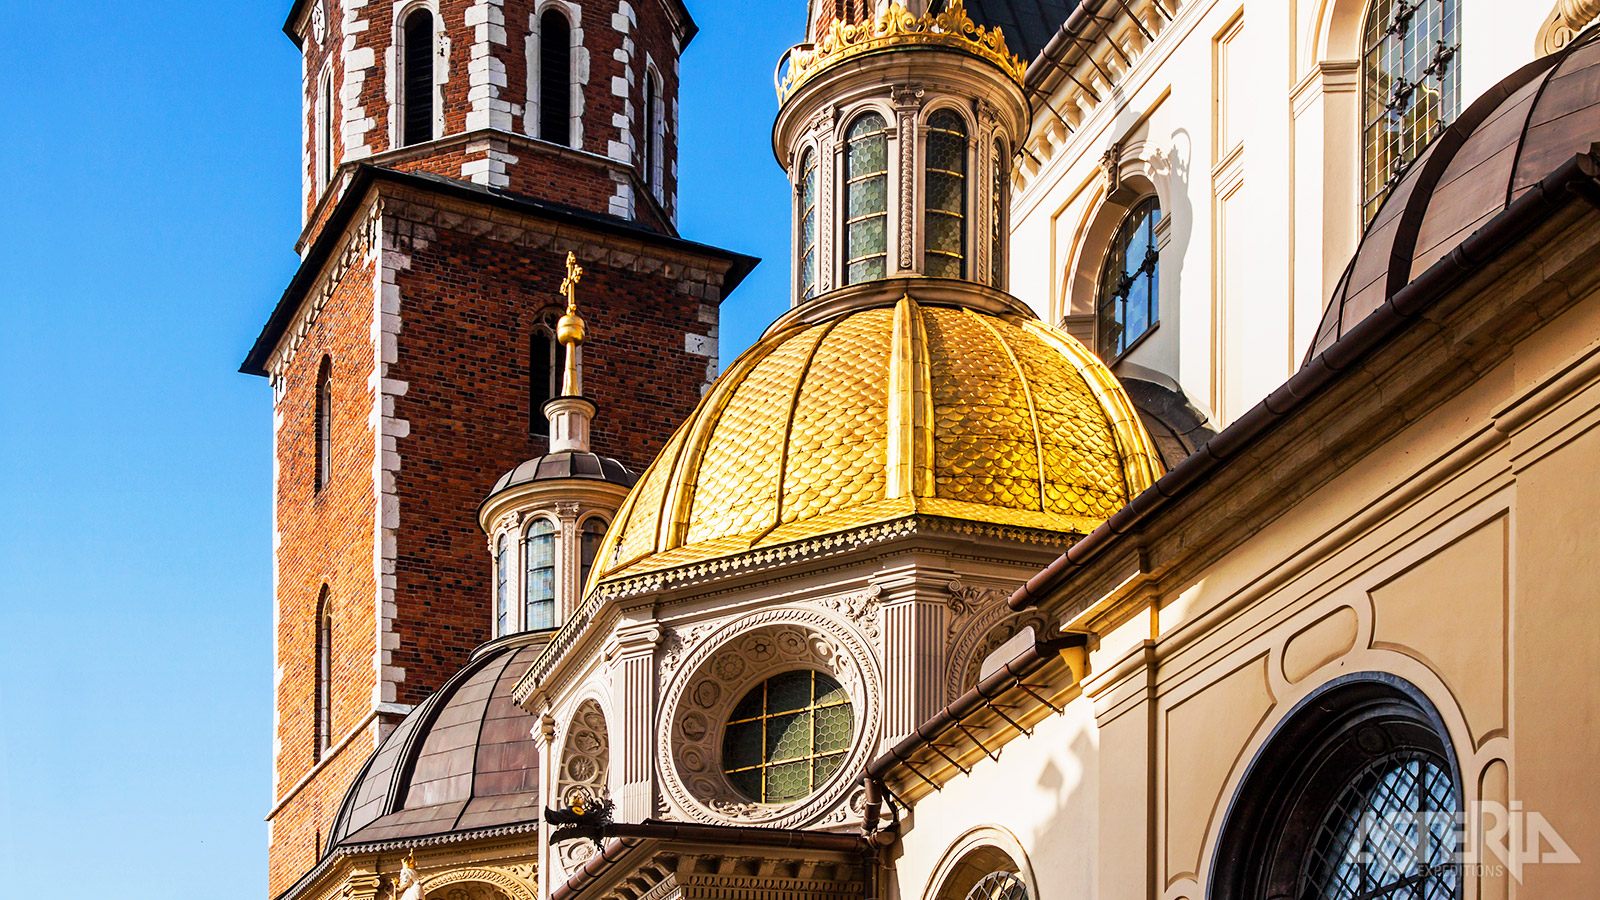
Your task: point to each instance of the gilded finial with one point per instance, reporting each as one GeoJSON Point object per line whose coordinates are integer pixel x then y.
{"type": "Point", "coordinates": [411, 860]}
{"type": "Point", "coordinates": [570, 330]}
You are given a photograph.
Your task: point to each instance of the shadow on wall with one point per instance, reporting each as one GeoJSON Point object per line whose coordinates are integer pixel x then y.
{"type": "Point", "coordinates": [1066, 842]}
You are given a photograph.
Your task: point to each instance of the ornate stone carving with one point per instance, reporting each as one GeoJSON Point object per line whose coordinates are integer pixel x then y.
{"type": "Point", "coordinates": [585, 761]}
{"type": "Point", "coordinates": [719, 669]}
{"type": "Point", "coordinates": [908, 104]}
{"type": "Point", "coordinates": [980, 621]}
{"type": "Point", "coordinates": [477, 883]}
{"type": "Point", "coordinates": [1567, 19]}
{"type": "Point", "coordinates": [861, 608]}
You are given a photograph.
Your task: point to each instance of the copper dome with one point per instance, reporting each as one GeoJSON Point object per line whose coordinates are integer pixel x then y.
{"type": "Point", "coordinates": [1503, 145]}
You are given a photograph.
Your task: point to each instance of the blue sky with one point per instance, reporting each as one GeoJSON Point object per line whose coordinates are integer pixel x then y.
{"type": "Point", "coordinates": [151, 168]}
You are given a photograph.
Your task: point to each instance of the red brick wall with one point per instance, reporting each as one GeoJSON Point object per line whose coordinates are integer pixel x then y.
{"type": "Point", "coordinates": [325, 538]}
{"type": "Point", "coordinates": [315, 56]}
{"type": "Point", "coordinates": [468, 307]}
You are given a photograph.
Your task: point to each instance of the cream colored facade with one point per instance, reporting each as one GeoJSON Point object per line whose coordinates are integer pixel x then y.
{"type": "Point", "coordinates": [1245, 121]}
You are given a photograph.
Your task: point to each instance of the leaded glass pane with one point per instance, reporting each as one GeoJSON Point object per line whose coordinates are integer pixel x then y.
{"type": "Point", "coordinates": [1411, 83]}
{"type": "Point", "coordinates": [808, 226]}
{"type": "Point", "coordinates": [1390, 834]}
{"type": "Point", "coordinates": [502, 567]}
{"type": "Point", "coordinates": [786, 735]}
{"type": "Point", "coordinates": [1129, 283]}
{"type": "Point", "coordinates": [788, 781]}
{"type": "Point", "coordinates": [997, 218]}
{"type": "Point", "coordinates": [540, 590]}
{"type": "Point", "coordinates": [945, 195]}
{"type": "Point", "coordinates": [594, 531]}
{"type": "Point", "coordinates": [866, 199]}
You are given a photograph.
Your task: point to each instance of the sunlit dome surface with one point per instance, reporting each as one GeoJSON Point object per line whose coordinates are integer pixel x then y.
{"type": "Point", "coordinates": [883, 413]}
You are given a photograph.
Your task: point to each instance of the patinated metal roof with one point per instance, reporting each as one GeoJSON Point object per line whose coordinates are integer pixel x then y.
{"type": "Point", "coordinates": [563, 465]}
{"type": "Point", "coordinates": [464, 760]}
{"type": "Point", "coordinates": [1027, 24]}
{"type": "Point", "coordinates": [1501, 146]}
{"type": "Point", "coordinates": [883, 413]}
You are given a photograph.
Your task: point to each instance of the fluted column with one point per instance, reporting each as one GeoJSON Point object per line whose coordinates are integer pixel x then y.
{"type": "Point", "coordinates": [915, 606]}
{"type": "Point", "coordinates": [633, 687]}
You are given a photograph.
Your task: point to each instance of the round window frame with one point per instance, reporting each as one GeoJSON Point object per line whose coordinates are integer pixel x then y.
{"type": "Point", "coordinates": [843, 753]}
{"type": "Point", "coordinates": [1269, 825]}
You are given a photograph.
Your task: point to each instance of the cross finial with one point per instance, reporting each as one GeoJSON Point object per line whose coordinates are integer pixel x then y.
{"type": "Point", "coordinates": [569, 286]}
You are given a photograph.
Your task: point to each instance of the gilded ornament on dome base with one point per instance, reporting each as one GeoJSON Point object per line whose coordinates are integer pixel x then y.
{"type": "Point", "coordinates": [898, 27]}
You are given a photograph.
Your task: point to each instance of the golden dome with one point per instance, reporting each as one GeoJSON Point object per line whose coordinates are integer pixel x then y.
{"type": "Point", "coordinates": [884, 413]}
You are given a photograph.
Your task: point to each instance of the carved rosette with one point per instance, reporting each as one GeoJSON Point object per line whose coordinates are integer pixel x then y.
{"type": "Point", "coordinates": [718, 671]}
{"type": "Point", "coordinates": [585, 762]}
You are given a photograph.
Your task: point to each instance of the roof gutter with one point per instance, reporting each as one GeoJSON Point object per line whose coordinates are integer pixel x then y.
{"type": "Point", "coordinates": [1578, 177]}
{"type": "Point", "coordinates": [980, 696]}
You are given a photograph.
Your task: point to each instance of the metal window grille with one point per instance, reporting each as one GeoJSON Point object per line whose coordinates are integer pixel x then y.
{"type": "Point", "coordinates": [1389, 834]}
{"type": "Point", "coordinates": [1411, 86]}
{"type": "Point", "coordinates": [867, 200]}
{"type": "Point", "coordinates": [945, 196]}
{"type": "Point", "coordinates": [997, 220]}
{"type": "Point", "coordinates": [787, 736]}
{"type": "Point", "coordinates": [1127, 307]}
{"type": "Point", "coordinates": [999, 886]}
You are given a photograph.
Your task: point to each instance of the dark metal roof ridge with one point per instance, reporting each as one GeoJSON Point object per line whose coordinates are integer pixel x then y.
{"type": "Point", "coordinates": [1577, 177]}
{"type": "Point", "coordinates": [1065, 38]}
{"type": "Point", "coordinates": [1021, 666]}
{"type": "Point", "coordinates": [625, 837]}
{"type": "Point", "coordinates": [354, 198]}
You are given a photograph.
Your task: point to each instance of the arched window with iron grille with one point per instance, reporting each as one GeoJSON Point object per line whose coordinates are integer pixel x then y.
{"type": "Point", "coordinates": [944, 196]}
{"type": "Point", "coordinates": [1411, 87]}
{"type": "Point", "coordinates": [1127, 306]}
{"type": "Point", "coordinates": [866, 199]}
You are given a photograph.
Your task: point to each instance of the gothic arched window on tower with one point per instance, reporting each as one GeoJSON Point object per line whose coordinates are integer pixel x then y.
{"type": "Point", "coordinates": [589, 538]}
{"type": "Point", "coordinates": [324, 146]}
{"type": "Point", "coordinates": [324, 686]}
{"type": "Point", "coordinates": [866, 200]}
{"type": "Point", "coordinates": [544, 373]}
{"type": "Point", "coordinates": [997, 219]}
{"type": "Point", "coordinates": [323, 426]}
{"type": "Point", "coordinates": [945, 196]}
{"type": "Point", "coordinates": [807, 259]}
{"type": "Point", "coordinates": [653, 119]}
{"type": "Point", "coordinates": [502, 586]}
{"type": "Point", "coordinates": [1411, 87]}
{"type": "Point", "coordinates": [417, 39]}
{"type": "Point", "coordinates": [555, 78]}
{"type": "Point", "coordinates": [1127, 307]}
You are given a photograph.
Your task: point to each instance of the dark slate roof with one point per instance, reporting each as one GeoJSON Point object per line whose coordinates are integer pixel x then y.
{"type": "Point", "coordinates": [464, 760]}
{"type": "Point", "coordinates": [554, 466]}
{"type": "Point", "coordinates": [354, 199]}
{"type": "Point", "coordinates": [1176, 427]}
{"type": "Point", "coordinates": [1499, 148]}
{"type": "Point", "coordinates": [1028, 24]}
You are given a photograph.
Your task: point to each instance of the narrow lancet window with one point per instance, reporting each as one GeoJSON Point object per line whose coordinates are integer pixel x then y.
{"type": "Point", "coordinates": [945, 195]}
{"type": "Point", "coordinates": [502, 587]}
{"type": "Point", "coordinates": [807, 260]}
{"type": "Point", "coordinates": [541, 555]}
{"type": "Point", "coordinates": [544, 374]}
{"type": "Point", "coordinates": [867, 200]}
{"type": "Point", "coordinates": [555, 78]}
{"type": "Point", "coordinates": [323, 426]}
{"type": "Point", "coordinates": [997, 219]}
{"type": "Point", "coordinates": [417, 49]}
{"type": "Point", "coordinates": [589, 538]}
{"type": "Point", "coordinates": [324, 687]}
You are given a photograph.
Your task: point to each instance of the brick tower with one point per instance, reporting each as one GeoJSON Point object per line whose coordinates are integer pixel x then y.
{"type": "Point", "coordinates": [455, 152]}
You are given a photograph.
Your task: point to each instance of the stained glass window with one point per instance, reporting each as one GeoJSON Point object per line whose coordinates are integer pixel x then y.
{"type": "Point", "coordinates": [1390, 834]}
{"type": "Point", "coordinates": [417, 55]}
{"type": "Point", "coordinates": [589, 538]}
{"type": "Point", "coordinates": [1411, 84]}
{"type": "Point", "coordinates": [808, 226]}
{"type": "Point", "coordinates": [1127, 304]}
{"type": "Point", "coordinates": [502, 572]}
{"type": "Point", "coordinates": [540, 550]}
{"type": "Point", "coordinates": [867, 200]}
{"type": "Point", "coordinates": [787, 736]}
{"type": "Point", "coordinates": [997, 219]}
{"type": "Point", "coordinates": [945, 196]}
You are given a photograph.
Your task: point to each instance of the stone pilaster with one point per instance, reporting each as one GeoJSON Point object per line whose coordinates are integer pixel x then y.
{"type": "Point", "coordinates": [633, 686]}
{"type": "Point", "coordinates": [915, 604]}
